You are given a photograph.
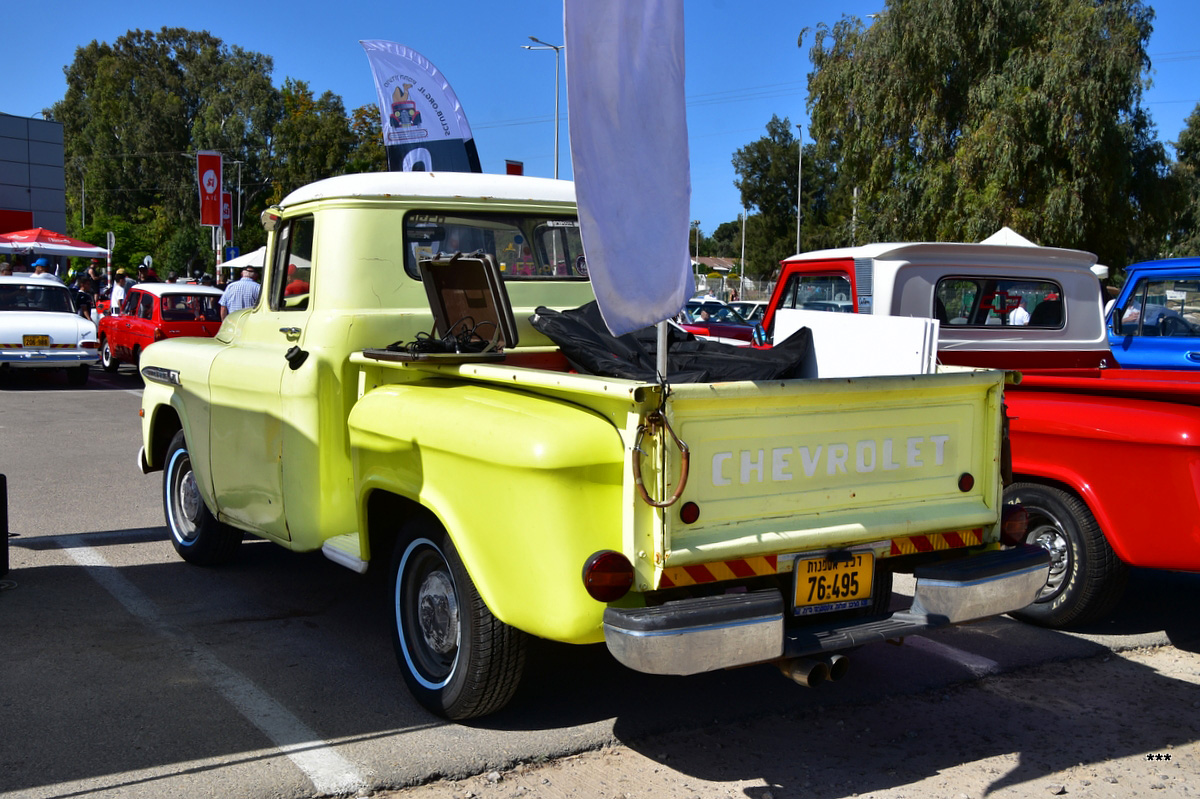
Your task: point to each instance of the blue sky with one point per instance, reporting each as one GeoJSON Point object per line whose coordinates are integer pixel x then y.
{"type": "Point", "coordinates": [742, 64]}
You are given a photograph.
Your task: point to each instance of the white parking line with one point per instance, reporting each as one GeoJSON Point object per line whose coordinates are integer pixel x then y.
{"type": "Point", "coordinates": [329, 772]}
{"type": "Point", "coordinates": [979, 665]}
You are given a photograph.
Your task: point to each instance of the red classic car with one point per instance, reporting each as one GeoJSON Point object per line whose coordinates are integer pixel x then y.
{"type": "Point", "coordinates": [152, 312]}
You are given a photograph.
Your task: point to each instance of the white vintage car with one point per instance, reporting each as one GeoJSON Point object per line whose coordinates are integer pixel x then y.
{"type": "Point", "coordinates": [41, 329]}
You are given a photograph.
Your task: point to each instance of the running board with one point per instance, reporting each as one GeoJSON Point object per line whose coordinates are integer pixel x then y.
{"type": "Point", "coordinates": [344, 551]}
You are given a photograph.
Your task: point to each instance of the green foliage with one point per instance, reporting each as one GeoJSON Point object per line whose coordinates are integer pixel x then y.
{"type": "Point", "coordinates": [367, 153]}
{"type": "Point", "coordinates": [767, 172]}
{"type": "Point", "coordinates": [1186, 235]}
{"type": "Point", "coordinates": [312, 140]}
{"type": "Point", "coordinates": [955, 117]}
{"type": "Point", "coordinates": [136, 112]}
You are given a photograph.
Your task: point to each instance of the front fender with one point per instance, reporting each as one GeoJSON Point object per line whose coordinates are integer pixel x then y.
{"type": "Point", "coordinates": [527, 486]}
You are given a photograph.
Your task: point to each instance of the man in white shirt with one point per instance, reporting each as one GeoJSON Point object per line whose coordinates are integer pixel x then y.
{"type": "Point", "coordinates": [117, 297]}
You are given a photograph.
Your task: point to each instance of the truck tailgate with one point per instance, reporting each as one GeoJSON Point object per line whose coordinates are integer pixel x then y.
{"type": "Point", "coordinates": [803, 465]}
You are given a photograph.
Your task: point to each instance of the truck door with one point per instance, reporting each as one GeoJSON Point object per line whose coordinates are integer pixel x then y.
{"type": "Point", "coordinates": [249, 423]}
{"type": "Point", "coordinates": [1159, 326]}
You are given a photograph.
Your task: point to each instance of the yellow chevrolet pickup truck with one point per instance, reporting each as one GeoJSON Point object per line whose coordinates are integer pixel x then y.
{"type": "Point", "coordinates": [508, 493]}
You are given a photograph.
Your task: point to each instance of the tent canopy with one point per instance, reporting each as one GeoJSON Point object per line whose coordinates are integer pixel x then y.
{"type": "Point", "coordinates": [255, 259]}
{"type": "Point", "coordinates": [39, 241]}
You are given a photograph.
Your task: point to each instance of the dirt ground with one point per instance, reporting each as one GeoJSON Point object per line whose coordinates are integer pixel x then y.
{"type": "Point", "coordinates": [1117, 726]}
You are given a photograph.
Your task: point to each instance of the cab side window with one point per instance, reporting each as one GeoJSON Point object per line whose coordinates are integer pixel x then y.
{"type": "Point", "coordinates": [1164, 307]}
{"type": "Point", "coordinates": [146, 306]}
{"type": "Point", "coordinates": [292, 265]}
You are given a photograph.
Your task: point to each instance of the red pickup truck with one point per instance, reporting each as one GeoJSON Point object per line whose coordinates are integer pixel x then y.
{"type": "Point", "coordinates": [1105, 460]}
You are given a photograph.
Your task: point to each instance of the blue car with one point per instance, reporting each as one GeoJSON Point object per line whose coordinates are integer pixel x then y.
{"type": "Point", "coordinates": [1155, 321]}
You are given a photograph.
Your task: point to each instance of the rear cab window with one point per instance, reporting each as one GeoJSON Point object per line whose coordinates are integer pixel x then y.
{"type": "Point", "coordinates": [972, 301]}
{"type": "Point", "coordinates": [526, 247]}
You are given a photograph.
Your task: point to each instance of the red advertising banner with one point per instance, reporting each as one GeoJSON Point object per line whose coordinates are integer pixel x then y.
{"type": "Point", "coordinates": [227, 214]}
{"type": "Point", "coordinates": [208, 175]}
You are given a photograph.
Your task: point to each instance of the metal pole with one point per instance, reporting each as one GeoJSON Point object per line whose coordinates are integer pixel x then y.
{"type": "Point", "coordinates": [742, 290]}
{"type": "Point", "coordinates": [799, 180]}
{"type": "Point", "coordinates": [557, 59]}
{"type": "Point", "coordinates": [557, 48]}
{"type": "Point", "coordinates": [3, 525]}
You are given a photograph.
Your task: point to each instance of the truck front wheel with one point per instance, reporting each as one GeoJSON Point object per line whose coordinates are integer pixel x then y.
{"type": "Point", "coordinates": [196, 534]}
{"type": "Point", "coordinates": [1086, 578]}
{"type": "Point", "coordinates": [458, 660]}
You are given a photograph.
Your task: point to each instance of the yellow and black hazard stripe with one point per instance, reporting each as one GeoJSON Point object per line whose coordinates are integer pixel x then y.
{"type": "Point", "coordinates": [742, 568]}
{"type": "Point", "coordinates": [937, 542]}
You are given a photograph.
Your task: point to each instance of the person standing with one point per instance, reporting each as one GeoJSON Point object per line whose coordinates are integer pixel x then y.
{"type": "Point", "coordinates": [241, 294]}
{"type": "Point", "coordinates": [117, 296]}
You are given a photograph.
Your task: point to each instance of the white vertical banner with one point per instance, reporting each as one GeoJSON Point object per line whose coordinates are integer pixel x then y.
{"type": "Point", "coordinates": [629, 153]}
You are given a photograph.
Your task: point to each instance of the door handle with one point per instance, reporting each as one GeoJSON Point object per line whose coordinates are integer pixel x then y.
{"type": "Point", "coordinates": [1193, 356]}
{"type": "Point", "coordinates": [290, 331]}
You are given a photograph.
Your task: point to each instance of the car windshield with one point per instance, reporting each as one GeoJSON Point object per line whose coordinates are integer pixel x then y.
{"type": "Point", "coordinates": [52, 298]}
{"type": "Point", "coordinates": [716, 313]}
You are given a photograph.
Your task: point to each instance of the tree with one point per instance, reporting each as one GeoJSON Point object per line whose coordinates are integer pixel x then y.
{"type": "Point", "coordinates": [767, 177]}
{"type": "Point", "coordinates": [312, 141]}
{"type": "Point", "coordinates": [134, 114]}
{"type": "Point", "coordinates": [367, 154]}
{"type": "Point", "coordinates": [1186, 237]}
{"type": "Point", "coordinates": [955, 117]}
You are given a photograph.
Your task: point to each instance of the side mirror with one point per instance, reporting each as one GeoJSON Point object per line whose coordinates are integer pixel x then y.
{"type": "Point", "coordinates": [1117, 315]}
{"type": "Point", "coordinates": [760, 335]}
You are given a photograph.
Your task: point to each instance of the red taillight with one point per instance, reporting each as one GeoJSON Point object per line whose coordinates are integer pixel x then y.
{"type": "Point", "coordinates": [1014, 525]}
{"type": "Point", "coordinates": [158, 334]}
{"type": "Point", "coordinates": [689, 513]}
{"type": "Point", "coordinates": [607, 576]}
{"type": "Point", "coordinates": [966, 481]}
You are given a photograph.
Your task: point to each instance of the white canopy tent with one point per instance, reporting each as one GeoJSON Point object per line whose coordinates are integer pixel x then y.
{"type": "Point", "coordinates": [255, 258]}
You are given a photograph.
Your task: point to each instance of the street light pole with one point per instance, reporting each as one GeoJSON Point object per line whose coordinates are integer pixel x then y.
{"type": "Point", "coordinates": [799, 180]}
{"type": "Point", "coordinates": [557, 48]}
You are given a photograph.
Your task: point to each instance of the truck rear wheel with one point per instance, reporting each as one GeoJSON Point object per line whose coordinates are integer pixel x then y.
{"type": "Point", "coordinates": [1086, 578]}
{"type": "Point", "coordinates": [195, 533]}
{"type": "Point", "coordinates": [458, 660]}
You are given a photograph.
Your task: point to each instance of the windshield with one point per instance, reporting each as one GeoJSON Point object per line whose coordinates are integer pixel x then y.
{"type": "Point", "coordinates": [526, 247]}
{"type": "Point", "coordinates": [53, 298]}
{"type": "Point", "coordinates": [714, 312]}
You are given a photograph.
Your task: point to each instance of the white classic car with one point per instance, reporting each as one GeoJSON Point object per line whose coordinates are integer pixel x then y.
{"type": "Point", "coordinates": [41, 329]}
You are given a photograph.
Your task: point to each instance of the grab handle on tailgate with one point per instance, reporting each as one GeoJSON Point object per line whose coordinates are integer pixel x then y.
{"type": "Point", "coordinates": [653, 420]}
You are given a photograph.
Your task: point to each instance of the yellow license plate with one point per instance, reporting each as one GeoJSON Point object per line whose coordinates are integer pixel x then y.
{"type": "Point", "coordinates": [841, 581]}
{"type": "Point", "coordinates": [35, 341]}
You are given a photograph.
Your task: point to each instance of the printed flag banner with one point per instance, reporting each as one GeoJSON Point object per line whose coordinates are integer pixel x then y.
{"type": "Point", "coordinates": [629, 152]}
{"type": "Point", "coordinates": [424, 127]}
{"type": "Point", "coordinates": [227, 214]}
{"type": "Point", "coordinates": [208, 176]}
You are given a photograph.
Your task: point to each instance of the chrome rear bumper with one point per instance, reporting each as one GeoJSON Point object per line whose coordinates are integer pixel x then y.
{"type": "Point", "coordinates": [691, 636]}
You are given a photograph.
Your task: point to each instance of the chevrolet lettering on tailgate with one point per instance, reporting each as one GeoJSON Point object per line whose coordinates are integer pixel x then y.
{"type": "Point", "coordinates": [864, 457]}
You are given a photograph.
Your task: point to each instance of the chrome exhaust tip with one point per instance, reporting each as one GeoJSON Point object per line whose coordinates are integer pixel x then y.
{"type": "Point", "coordinates": [838, 666]}
{"type": "Point", "coordinates": [805, 671]}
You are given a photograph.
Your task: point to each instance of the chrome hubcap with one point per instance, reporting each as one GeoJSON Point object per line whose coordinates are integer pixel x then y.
{"type": "Point", "coordinates": [437, 613]}
{"type": "Point", "coordinates": [1051, 538]}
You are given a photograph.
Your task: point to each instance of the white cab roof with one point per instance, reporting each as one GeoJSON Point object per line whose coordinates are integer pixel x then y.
{"type": "Point", "coordinates": [436, 184]}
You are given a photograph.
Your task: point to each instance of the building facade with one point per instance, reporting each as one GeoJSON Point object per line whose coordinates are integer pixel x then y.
{"type": "Point", "coordinates": [32, 183]}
